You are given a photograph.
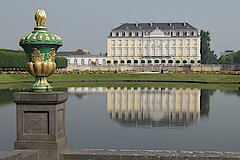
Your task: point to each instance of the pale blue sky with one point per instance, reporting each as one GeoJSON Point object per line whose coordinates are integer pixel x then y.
{"type": "Point", "coordinates": [87, 23]}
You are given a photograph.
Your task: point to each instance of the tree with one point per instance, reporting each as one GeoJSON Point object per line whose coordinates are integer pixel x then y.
{"type": "Point", "coordinates": [231, 58]}
{"type": "Point", "coordinates": [207, 56]}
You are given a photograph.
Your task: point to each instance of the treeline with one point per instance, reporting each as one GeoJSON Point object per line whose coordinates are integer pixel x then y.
{"type": "Point", "coordinates": [231, 58]}
{"type": "Point", "coordinates": [17, 59]}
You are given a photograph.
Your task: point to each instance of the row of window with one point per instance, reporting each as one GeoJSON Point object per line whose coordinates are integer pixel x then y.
{"type": "Point", "coordinates": [152, 61]}
{"type": "Point", "coordinates": [133, 42]}
{"type": "Point", "coordinates": [140, 33]}
{"type": "Point", "coordinates": [155, 52]}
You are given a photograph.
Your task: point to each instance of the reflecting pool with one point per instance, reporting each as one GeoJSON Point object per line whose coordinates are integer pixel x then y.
{"type": "Point", "coordinates": [142, 118]}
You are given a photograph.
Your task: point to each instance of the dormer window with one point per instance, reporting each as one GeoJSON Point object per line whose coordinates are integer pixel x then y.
{"type": "Point", "coordinates": [126, 34]}
{"type": "Point", "coordinates": [113, 34]}
{"type": "Point", "coordinates": [139, 34]}
{"type": "Point", "coordinates": [180, 33]}
{"type": "Point", "coordinates": [187, 33]}
{"type": "Point", "coordinates": [133, 34]}
{"type": "Point", "coordinates": [194, 33]}
{"type": "Point", "coordinates": [173, 33]}
{"type": "Point", "coordinates": [120, 34]}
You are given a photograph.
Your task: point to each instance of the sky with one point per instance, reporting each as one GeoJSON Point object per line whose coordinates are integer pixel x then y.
{"type": "Point", "coordinates": [87, 23]}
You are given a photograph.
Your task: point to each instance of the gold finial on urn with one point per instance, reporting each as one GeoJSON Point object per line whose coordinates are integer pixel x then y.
{"type": "Point", "coordinates": [40, 17]}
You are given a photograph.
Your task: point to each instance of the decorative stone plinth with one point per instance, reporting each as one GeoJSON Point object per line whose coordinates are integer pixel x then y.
{"type": "Point", "coordinates": [41, 123]}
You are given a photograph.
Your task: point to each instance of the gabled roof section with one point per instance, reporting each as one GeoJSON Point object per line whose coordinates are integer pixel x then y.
{"type": "Point", "coordinates": [79, 52]}
{"type": "Point", "coordinates": [152, 26]}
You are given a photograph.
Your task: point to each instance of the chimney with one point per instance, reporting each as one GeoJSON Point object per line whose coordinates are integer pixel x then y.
{"type": "Point", "coordinates": [136, 24]}
{"type": "Point", "coordinates": [151, 24]}
{"type": "Point", "coordinates": [170, 24]}
{"type": "Point", "coordinates": [184, 24]}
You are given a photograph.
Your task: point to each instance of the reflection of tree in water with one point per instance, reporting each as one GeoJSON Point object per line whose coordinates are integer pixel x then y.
{"type": "Point", "coordinates": [6, 96]}
{"type": "Point", "coordinates": [205, 101]}
{"type": "Point", "coordinates": [232, 92]}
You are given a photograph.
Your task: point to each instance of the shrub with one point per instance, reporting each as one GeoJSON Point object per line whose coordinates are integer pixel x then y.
{"type": "Point", "coordinates": [177, 61]}
{"type": "Point", "coordinates": [61, 62]}
{"type": "Point", "coordinates": [199, 61]}
{"type": "Point", "coordinates": [163, 61]}
{"type": "Point", "coordinates": [156, 61]}
{"type": "Point", "coordinates": [128, 61]}
{"type": "Point", "coordinates": [142, 61]}
{"type": "Point", "coordinates": [170, 61]}
{"type": "Point", "coordinates": [192, 61]}
{"type": "Point", "coordinates": [135, 61]}
{"type": "Point", "coordinates": [184, 61]}
{"type": "Point", "coordinates": [108, 62]}
{"type": "Point", "coordinates": [122, 61]}
{"type": "Point", "coordinates": [149, 61]}
{"type": "Point", "coordinates": [115, 61]}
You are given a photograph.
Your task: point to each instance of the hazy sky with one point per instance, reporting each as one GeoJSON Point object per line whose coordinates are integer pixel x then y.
{"type": "Point", "coordinates": [87, 23]}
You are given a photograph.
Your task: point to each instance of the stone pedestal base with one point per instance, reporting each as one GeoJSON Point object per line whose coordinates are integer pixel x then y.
{"type": "Point", "coordinates": [41, 123]}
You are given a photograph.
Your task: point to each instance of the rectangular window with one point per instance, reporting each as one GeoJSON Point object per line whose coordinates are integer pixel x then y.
{"type": "Point", "coordinates": [126, 34]}
{"type": "Point", "coordinates": [188, 33]}
{"type": "Point", "coordinates": [153, 51]}
{"type": "Point", "coordinates": [126, 42]}
{"type": "Point", "coordinates": [188, 42]}
{"type": "Point", "coordinates": [195, 52]}
{"type": "Point", "coordinates": [187, 51]}
{"type": "Point", "coordinates": [126, 52]}
{"type": "Point", "coordinates": [180, 33]}
{"type": "Point", "coordinates": [160, 51]}
{"type": "Point", "coordinates": [146, 51]}
{"type": "Point", "coordinates": [194, 33]}
{"type": "Point", "coordinates": [113, 52]}
{"type": "Point", "coordinates": [195, 42]}
{"type": "Point", "coordinates": [139, 52]}
{"type": "Point", "coordinates": [160, 42]}
{"type": "Point", "coordinates": [133, 52]}
{"type": "Point", "coordinates": [113, 43]}
{"type": "Point", "coordinates": [180, 52]}
{"type": "Point", "coordinates": [119, 52]}
{"type": "Point", "coordinates": [132, 42]}
{"type": "Point", "coordinates": [180, 42]}
{"type": "Point", "coordinates": [120, 43]}
{"type": "Point", "coordinates": [120, 34]}
{"type": "Point", "coordinates": [174, 51]}
{"type": "Point", "coordinates": [167, 52]}
{"type": "Point", "coordinates": [139, 43]}
{"type": "Point", "coordinates": [174, 42]}
{"type": "Point", "coordinates": [173, 33]}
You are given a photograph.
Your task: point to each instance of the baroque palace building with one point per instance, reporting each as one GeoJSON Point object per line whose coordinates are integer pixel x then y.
{"type": "Point", "coordinates": [154, 43]}
{"type": "Point", "coordinates": [144, 44]}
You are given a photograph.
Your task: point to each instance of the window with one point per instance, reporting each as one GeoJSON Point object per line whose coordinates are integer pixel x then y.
{"type": "Point", "coordinates": [194, 33]}
{"type": "Point", "coordinates": [119, 42]}
{"type": "Point", "coordinates": [180, 33]}
{"type": "Point", "coordinates": [139, 52]}
{"type": "Point", "coordinates": [160, 51]}
{"type": "Point", "coordinates": [174, 42]}
{"type": "Point", "coordinates": [174, 51]}
{"type": "Point", "coordinates": [126, 42]}
{"type": "Point", "coordinates": [195, 52]}
{"type": "Point", "coordinates": [119, 52]}
{"type": "Point", "coordinates": [133, 52]}
{"type": "Point", "coordinates": [146, 51]}
{"type": "Point", "coordinates": [153, 51]}
{"type": "Point", "coordinates": [113, 52]}
{"type": "Point", "coordinates": [167, 42]}
{"type": "Point", "coordinates": [113, 43]}
{"type": "Point", "coordinates": [126, 51]}
{"type": "Point", "coordinates": [156, 42]}
{"type": "Point", "coordinates": [188, 42]}
{"type": "Point", "coordinates": [120, 34]}
{"type": "Point", "coordinates": [126, 34]}
{"type": "Point", "coordinates": [133, 33]}
{"type": "Point", "coordinates": [180, 51]}
{"type": "Point", "coordinates": [113, 34]}
{"type": "Point", "coordinates": [195, 42]}
{"type": "Point", "coordinates": [139, 43]}
{"type": "Point", "coordinates": [160, 42]}
{"type": "Point", "coordinates": [187, 51]}
{"type": "Point", "coordinates": [139, 34]}
{"type": "Point", "coordinates": [167, 51]}
{"type": "Point", "coordinates": [173, 33]}
{"type": "Point", "coordinates": [180, 42]}
{"type": "Point", "coordinates": [132, 42]}
{"type": "Point", "coordinates": [187, 33]}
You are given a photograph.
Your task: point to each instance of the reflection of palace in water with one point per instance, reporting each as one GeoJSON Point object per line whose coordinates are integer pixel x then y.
{"type": "Point", "coordinates": [152, 107]}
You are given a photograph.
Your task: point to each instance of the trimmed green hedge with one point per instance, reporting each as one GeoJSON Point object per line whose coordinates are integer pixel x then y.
{"type": "Point", "coordinates": [17, 59]}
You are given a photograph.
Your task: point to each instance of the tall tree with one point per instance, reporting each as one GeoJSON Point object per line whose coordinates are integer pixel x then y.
{"type": "Point", "coordinates": [207, 56]}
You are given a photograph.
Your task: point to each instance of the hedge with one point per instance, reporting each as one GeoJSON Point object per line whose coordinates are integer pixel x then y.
{"type": "Point", "coordinates": [17, 59]}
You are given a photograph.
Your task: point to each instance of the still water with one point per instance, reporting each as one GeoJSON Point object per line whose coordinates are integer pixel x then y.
{"type": "Point", "coordinates": [142, 118]}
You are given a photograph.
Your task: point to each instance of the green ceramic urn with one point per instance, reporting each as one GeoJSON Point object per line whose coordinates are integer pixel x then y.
{"type": "Point", "coordinates": [40, 47]}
